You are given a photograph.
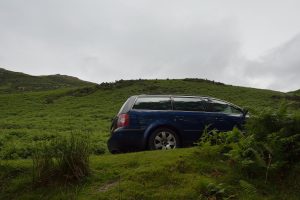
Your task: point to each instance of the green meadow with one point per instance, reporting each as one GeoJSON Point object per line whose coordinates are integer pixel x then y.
{"type": "Point", "coordinates": [31, 116]}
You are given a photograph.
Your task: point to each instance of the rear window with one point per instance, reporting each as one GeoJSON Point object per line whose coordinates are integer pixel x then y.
{"type": "Point", "coordinates": [188, 104]}
{"type": "Point", "coordinates": [127, 105]}
{"type": "Point", "coordinates": [153, 103]}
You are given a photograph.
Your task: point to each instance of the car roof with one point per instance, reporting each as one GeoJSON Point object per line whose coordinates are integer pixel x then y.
{"type": "Point", "coordinates": [187, 96]}
{"type": "Point", "coordinates": [169, 95]}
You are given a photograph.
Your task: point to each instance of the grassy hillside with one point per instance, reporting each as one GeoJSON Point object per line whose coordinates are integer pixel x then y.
{"type": "Point", "coordinates": [27, 118]}
{"type": "Point", "coordinates": [296, 92]}
{"type": "Point", "coordinates": [20, 82]}
{"type": "Point", "coordinates": [34, 117]}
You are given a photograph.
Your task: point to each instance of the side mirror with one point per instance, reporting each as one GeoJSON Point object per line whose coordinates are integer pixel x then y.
{"type": "Point", "coordinates": [245, 112]}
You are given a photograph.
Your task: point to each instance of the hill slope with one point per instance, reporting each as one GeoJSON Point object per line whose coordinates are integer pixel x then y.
{"type": "Point", "coordinates": [19, 82]}
{"type": "Point", "coordinates": [296, 92]}
{"type": "Point", "coordinates": [36, 117]}
{"type": "Point", "coordinates": [29, 117]}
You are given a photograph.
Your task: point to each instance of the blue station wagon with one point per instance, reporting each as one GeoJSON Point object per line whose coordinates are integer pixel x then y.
{"type": "Point", "coordinates": [169, 121]}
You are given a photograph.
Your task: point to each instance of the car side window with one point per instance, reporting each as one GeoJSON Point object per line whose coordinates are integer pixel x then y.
{"type": "Point", "coordinates": [236, 111]}
{"type": "Point", "coordinates": [153, 103]}
{"type": "Point", "coordinates": [218, 106]}
{"type": "Point", "coordinates": [222, 107]}
{"type": "Point", "coordinates": [188, 104]}
{"type": "Point", "coordinates": [127, 105]}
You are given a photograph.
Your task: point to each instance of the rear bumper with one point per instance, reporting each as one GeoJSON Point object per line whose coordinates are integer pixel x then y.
{"type": "Point", "coordinates": [125, 140]}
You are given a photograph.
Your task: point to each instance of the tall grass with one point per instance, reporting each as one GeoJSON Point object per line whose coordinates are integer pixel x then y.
{"type": "Point", "coordinates": [64, 160]}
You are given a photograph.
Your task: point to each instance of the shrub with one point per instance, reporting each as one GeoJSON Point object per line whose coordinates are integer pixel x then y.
{"type": "Point", "coordinates": [270, 145]}
{"type": "Point", "coordinates": [214, 137]}
{"type": "Point", "coordinates": [248, 189]}
{"type": "Point", "coordinates": [215, 191]}
{"type": "Point", "coordinates": [277, 137]}
{"type": "Point", "coordinates": [64, 160]}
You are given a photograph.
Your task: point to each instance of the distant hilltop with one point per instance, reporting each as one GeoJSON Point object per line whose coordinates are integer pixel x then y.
{"type": "Point", "coordinates": [16, 81]}
{"type": "Point", "coordinates": [11, 82]}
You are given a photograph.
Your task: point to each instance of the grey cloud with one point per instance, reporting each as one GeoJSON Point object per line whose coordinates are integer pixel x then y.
{"type": "Point", "coordinates": [197, 51]}
{"type": "Point", "coordinates": [279, 69]}
{"type": "Point", "coordinates": [110, 40]}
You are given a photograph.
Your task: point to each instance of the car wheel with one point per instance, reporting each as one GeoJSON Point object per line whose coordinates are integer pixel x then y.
{"type": "Point", "coordinates": [163, 138]}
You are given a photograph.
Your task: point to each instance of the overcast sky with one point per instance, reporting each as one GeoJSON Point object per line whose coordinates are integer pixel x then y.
{"type": "Point", "coordinates": [252, 43]}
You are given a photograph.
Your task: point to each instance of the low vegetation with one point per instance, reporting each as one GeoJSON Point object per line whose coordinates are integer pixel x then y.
{"type": "Point", "coordinates": [62, 161]}
{"type": "Point", "coordinates": [53, 146]}
{"type": "Point", "coordinates": [33, 117]}
{"type": "Point", "coordinates": [268, 150]}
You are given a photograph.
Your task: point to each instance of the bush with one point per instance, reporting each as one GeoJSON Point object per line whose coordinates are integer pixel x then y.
{"type": "Point", "coordinates": [215, 191]}
{"type": "Point", "coordinates": [214, 137]}
{"type": "Point", "coordinates": [64, 160]}
{"type": "Point", "coordinates": [280, 131]}
{"type": "Point", "coordinates": [269, 147]}
{"type": "Point", "coordinates": [276, 136]}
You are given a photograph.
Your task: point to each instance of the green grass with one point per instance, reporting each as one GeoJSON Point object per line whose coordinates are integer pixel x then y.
{"type": "Point", "coordinates": [31, 118]}
{"type": "Point", "coordinates": [177, 174]}
{"type": "Point", "coordinates": [27, 118]}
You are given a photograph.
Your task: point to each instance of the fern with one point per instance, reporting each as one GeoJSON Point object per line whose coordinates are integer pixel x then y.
{"type": "Point", "coordinates": [248, 188]}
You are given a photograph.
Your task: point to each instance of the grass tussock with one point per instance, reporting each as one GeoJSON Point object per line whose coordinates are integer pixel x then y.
{"type": "Point", "coordinates": [64, 160]}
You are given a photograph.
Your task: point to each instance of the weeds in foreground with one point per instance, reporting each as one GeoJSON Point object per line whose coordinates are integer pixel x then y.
{"type": "Point", "coordinates": [65, 160]}
{"type": "Point", "coordinates": [269, 147]}
{"type": "Point", "coordinates": [216, 192]}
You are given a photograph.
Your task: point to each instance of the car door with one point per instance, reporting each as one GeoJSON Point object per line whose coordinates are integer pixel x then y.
{"type": "Point", "coordinates": [190, 117]}
{"type": "Point", "coordinates": [151, 109]}
{"type": "Point", "coordinates": [222, 116]}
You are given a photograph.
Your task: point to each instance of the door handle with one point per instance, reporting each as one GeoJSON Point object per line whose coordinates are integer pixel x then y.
{"type": "Point", "coordinates": [179, 118]}
{"type": "Point", "coordinates": [219, 118]}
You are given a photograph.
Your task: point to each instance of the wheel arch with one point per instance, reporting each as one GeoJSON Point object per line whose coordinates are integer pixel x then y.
{"type": "Point", "coordinates": [151, 129]}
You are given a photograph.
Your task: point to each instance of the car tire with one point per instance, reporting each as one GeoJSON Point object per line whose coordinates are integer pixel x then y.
{"type": "Point", "coordinates": [163, 139]}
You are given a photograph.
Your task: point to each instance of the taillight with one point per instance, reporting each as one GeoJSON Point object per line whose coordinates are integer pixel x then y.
{"type": "Point", "coordinates": [123, 120]}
